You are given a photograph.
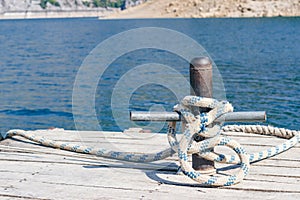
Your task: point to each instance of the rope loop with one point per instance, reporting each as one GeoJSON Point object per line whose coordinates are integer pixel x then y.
{"type": "Point", "coordinates": [202, 125]}
{"type": "Point", "coordinates": [207, 144]}
{"type": "Point", "coordinates": [199, 124]}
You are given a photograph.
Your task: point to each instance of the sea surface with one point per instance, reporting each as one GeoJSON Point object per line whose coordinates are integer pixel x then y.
{"type": "Point", "coordinates": [258, 60]}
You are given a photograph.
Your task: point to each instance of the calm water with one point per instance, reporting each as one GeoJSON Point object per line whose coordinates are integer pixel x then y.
{"type": "Point", "coordinates": [259, 60]}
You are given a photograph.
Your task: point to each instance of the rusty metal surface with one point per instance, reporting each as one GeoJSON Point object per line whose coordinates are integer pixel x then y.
{"type": "Point", "coordinates": [201, 85]}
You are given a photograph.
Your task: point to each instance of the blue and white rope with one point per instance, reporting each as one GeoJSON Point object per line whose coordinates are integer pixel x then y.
{"type": "Point", "coordinates": [202, 125]}
{"type": "Point", "coordinates": [127, 156]}
{"type": "Point", "coordinates": [199, 125]}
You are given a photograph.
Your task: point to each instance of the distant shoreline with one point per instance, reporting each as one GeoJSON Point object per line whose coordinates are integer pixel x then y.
{"type": "Point", "coordinates": [161, 9]}
{"type": "Point", "coordinates": [100, 15]}
{"type": "Point", "coordinates": [147, 10]}
{"type": "Point", "coordinates": [48, 14]}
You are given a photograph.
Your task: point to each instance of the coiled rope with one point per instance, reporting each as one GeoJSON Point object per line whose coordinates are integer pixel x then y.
{"type": "Point", "coordinates": [199, 125]}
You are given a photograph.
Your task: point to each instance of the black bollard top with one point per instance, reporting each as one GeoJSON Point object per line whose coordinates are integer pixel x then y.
{"type": "Point", "coordinates": [201, 63]}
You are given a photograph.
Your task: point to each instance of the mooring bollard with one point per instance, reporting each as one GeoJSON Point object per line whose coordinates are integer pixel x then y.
{"type": "Point", "coordinates": [201, 85]}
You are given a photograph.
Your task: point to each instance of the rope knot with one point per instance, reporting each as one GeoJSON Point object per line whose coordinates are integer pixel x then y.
{"type": "Point", "coordinates": [203, 124]}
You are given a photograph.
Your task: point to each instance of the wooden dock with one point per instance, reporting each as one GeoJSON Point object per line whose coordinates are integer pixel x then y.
{"type": "Point", "coordinates": [31, 171]}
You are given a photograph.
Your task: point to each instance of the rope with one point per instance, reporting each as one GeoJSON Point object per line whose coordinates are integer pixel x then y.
{"type": "Point", "coordinates": [197, 125]}
{"type": "Point", "coordinates": [293, 136]}
{"type": "Point", "coordinates": [127, 156]}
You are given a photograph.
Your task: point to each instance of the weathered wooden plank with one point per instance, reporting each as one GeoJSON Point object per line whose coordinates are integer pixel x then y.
{"type": "Point", "coordinates": [274, 162]}
{"type": "Point", "coordinates": [138, 142]}
{"type": "Point", "coordinates": [140, 146]}
{"type": "Point", "coordinates": [251, 183]}
{"type": "Point", "coordinates": [291, 155]}
{"type": "Point", "coordinates": [34, 171]}
{"type": "Point", "coordinates": [146, 138]}
{"type": "Point", "coordinates": [270, 170]}
{"type": "Point", "coordinates": [161, 192]}
{"type": "Point", "coordinates": [107, 185]}
{"type": "Point", "coordinates": [168, 164]}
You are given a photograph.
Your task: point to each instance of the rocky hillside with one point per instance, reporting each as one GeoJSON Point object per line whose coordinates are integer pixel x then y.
{"type": "Point", "coordinates": [40, 5]}
{"type": "Point", "coordinates": [211, 8]}
{"type": "Point", "coordinates": [234, 8]}
{"type": "Point", "coordinates": [148, 8]}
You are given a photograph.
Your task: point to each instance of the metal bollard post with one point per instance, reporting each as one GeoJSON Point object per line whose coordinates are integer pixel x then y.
{"type": "Point", "coordinates": [201, 85]}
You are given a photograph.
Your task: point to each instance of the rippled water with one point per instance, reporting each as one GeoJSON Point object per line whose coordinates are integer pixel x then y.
{"type": "Point", "coordinates": [258, 59]}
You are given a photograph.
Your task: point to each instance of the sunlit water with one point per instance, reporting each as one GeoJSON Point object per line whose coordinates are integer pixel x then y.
{"type": "Point", "coordinates": [259, 60]}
